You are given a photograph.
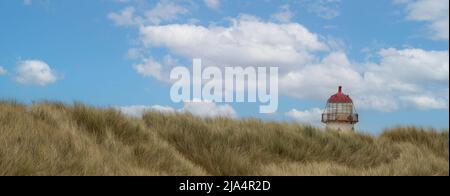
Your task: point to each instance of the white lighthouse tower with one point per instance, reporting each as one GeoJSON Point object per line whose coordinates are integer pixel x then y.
{"type": "Point", "coordinates": [340, 113]}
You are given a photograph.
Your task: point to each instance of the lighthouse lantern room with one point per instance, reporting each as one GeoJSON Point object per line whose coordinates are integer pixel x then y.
{"type": "Point", "coordinates": [340, 113]}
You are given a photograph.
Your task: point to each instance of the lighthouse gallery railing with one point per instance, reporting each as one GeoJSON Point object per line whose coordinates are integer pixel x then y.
{"type": "Point", "coordinates": [340, 117]}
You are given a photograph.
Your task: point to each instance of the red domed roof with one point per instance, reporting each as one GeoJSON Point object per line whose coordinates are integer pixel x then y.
{"type": "Point", "coordinates": [340, 97]}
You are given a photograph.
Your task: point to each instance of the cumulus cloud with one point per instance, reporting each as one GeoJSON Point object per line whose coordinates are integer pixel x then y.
{"type": "Point", "coordinates": [125, 18]}
{"type": "Point", "coordinates": [400, 73]}
{"type": "Point", "coordinates": [163, 11]}
{"type": "Point", "coordinates": [35, 72]}
{"type": "Point", "coordinates": [208, 109]}
{"type": "Point", "coordinates": [310, 66]}
{"type": "Point", "coordinates": [426, 102]}
{"type": "Point", "coordinates": [312, 116]}
{"type": "Point", "coordinates": [317, 80]}
{"type": "Point", "coordinates": [2, 70]}
{"type": "Point", "coordinates": [284, 15]}
{"type": "Point", "coordinates": [202, 109]}
{"type": "Point", "coordinates": [414, 65]}
{"type": "Point", "coordinates": [326, 9]}
{"type": "Point", "coordinates": [435, 12]}
{"type": "Point", "coordinates": [408, 73]}
{"type": "Point", "coordinates": [150, 68]}
{"type": "Point", "coordinates": [248, 41]}
{"type": "Point", "coordinates": [139, 110]}
{"type": "Point", "coordinates": [213, 4]}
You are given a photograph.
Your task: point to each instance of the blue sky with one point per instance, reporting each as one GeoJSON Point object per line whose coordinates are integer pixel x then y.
{"type": "Point", "coordinates": [391, 56]}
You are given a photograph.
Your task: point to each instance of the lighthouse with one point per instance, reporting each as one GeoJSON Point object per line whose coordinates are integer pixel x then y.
{"type": "Point", "coordinates": [340, 114]}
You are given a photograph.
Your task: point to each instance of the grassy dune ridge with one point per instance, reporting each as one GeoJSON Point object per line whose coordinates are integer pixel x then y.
{"type": "Point", "coordinates": [56, 139]}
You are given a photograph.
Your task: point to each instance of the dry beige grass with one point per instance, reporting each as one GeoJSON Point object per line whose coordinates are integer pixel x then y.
{"type": "Point", "coordinates": [57, 139]}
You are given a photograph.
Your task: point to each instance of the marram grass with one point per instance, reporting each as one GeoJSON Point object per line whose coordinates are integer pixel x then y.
{"type": "Point", "coordinates": [56, 139]}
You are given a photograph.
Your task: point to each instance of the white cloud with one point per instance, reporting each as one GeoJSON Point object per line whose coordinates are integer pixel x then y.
{"type": "Point", "coordinates": [125, 18]}
{"type": "Point", "coordinates": [135, 53]}
{"type": "Point", "coordinates": [139, 110]}
{"type": "Point", "coordinates": [160, 71]}
{"type": "Point", "coordinates": [284, 15]}
{"type": "Point", "coordinates": [213, 4]}
{"type": "Point", "coordinates": [414, 65]}
{"type": "Point", "coordinates": [436, 12]}
{"type": "Point", "coordinates": [2, 70]}
{"type": "Point", "coordinates": [208, 109]}
{"type": "Point", "coordinates": [380, 102]}
{"type": "Point", "coordinates": [248, 41]}
{"type": "Point", "coordinates": [380, 86]}
{"type": "Point", "coordinates": [196, 108]}
{"type": "Point", "coordinates": [326, 9]}
{"type": "Point", "coordinates": [426, 102]}
{"type": "Point", "coordinates": [408, 74]}
{"type": "Point", "coordinates": [137, 15]}
{"type": "Point", "coordinates": [151, 68]}
{"type": "Point", "coordinates": [35, 72]}
{"type": "Point", "coordinates": [312, 116]}
{"type": "Point", "coordinates": [317, 80]}
{"type": "Point", "coordinates": [165, 11]}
